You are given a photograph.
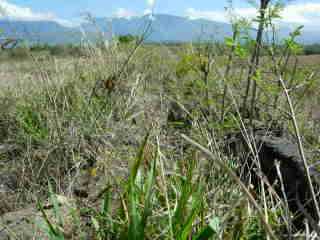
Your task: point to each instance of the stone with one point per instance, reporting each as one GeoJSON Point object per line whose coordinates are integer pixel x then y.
{"type": "Point", "coordinates": [295, 182]}
{"type": "Point", "coordinates": [8, 185]}
{"type": "Point", "coordinates": [8, 182]}
{"type": "Point", "coordinates": [274, 149]}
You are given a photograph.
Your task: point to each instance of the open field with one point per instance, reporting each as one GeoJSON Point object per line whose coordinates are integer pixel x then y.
{"type": "Point", "coordinates": [98, 147]}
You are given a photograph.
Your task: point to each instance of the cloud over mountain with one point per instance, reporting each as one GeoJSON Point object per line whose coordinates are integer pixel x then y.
{"type": "Point", "coordinates": [15, 12]}
{"type": "Point", "coordinates": [47, 27]}
{"type": "Point", "coordinates": [124, 13]}
{"type": "Point", "coordinates": [307, 14]}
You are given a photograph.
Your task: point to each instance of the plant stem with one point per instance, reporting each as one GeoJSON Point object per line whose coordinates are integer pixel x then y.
{"type": "Point", "coordinates": [301, 150]}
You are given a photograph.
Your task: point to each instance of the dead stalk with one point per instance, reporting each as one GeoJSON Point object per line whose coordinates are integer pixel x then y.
{"type": "Point", "coordinates": [301, 150]}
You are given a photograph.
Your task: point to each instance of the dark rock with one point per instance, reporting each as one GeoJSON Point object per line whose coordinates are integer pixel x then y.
{"type": "Point", "coordinates": [293, 174]}
{"type": "Point", "coordinates": [7, 202]}
{"type": "Point", "coordinates": [272, 150]}
{"type": "Point", "coordinates": [8, 191]}
{"type": "Point", "coordinates": [5, 148]}
{"type": "Point", "coordinates": [81, 193]}
{"type": "Point", "coordinates": [8, 182]}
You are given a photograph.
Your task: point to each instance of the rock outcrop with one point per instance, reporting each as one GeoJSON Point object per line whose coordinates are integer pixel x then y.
{"type": "Point", "coordinates": [272, 151]}
{"type": "Point", "coordinates": [293, 174]}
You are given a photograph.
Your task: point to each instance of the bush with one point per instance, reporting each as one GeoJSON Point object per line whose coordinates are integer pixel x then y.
{"type": "Point", "coordinates": [19, 52]}
{"type": "Point", "coordinates": [32, 122]}
{"type": "Point", "coordinates": [125, 39]}
{"type": "Point", "coordinates": [40, 47]}
{"type": "Point", "coordinates": [312, 49]}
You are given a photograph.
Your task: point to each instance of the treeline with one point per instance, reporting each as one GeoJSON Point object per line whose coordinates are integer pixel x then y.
{"type": "Point", "coordinates": [312, 49]}
{"type": "Point", "coordinates": [76, 50]}
{"type": "Point", "coordinates": [22, 51]}
{"type": "Point", "coordinates": [56, 50]}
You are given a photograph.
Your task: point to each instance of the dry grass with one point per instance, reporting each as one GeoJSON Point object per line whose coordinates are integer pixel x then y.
{"type": "Point", "coordinates": [95, 149]}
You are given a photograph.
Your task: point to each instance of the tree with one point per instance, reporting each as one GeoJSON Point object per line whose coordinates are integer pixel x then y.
{"type": "Point", "coordinates": [125, 39]}
{"type": "Point", "coordinates": [255, 60]}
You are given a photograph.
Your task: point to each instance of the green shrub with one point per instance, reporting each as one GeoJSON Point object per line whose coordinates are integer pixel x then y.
{"type": "Point", "coordinates": [125, 39]}
{"type": "Point", "coordinates": [40, 47]}
{"type": "Point", "coordinates": [19, 52]}
{"type": "Point", "coordinates": [32, 122]}
{"type": "Point", "coordinates": [312, 49]}
{"type": "Point", "coordinates": [64, 50]}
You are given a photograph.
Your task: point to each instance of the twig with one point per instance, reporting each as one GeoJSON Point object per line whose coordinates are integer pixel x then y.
{"type": "Point", "coordinates": [301, 150]}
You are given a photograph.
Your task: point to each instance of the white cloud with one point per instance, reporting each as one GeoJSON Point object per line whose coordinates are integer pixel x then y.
{"type": "Point", "coordinates": [10, 10]}
{"type": "Point", "coordinates": [299, 13]}
{"type": "Point", "coordinates": [210, 15]}
{"type": "Point", "coordinates": [151, 3]}
{"type": "Point", "coordinates": [308, 14]}
{"type": "Point", "coordinates": [124, 13]}
{"type": "Point", "coordinates": [14, 12]}
{"type": "Point", "coordinates": [149, 10]}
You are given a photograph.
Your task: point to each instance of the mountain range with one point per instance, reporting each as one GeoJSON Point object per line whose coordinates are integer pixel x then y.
{"type": "Point", "coordinates": [164, 28]}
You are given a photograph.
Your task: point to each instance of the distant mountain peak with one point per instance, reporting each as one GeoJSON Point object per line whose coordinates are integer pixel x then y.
{"type": "Point", "coordinates": [165, 28]}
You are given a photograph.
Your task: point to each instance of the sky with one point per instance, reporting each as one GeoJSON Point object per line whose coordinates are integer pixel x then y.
{"type": "Point", "coordinates": [68, 12]}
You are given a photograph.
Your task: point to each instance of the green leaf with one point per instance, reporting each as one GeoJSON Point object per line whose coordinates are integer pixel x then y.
{"type": "Point", "coordinates": [106, 202]}
{"type": "Point", "coordinates": [241, 52]}
{"type": "Point", "coordinates": [229, 42]}
{"type": "Point", "coordinates": [187, 227]}
{"type": "Point", "coordinates": [53, 232]}
{"type": "Point", "coordinates": [136, 226]}
{"type": "Point", "coordinates": [296, 32]}
{"type": "Point", "coordinates": [211, 230]}
{"type": "Point", "coordinates": [148, 198]}
{"type": "Point", "coordinates": [186, 193]}
{"type": "Point", "coordinates": [55, 203]}
{"type": "Point", "coordinates": [95, 224]}
{"type": "Point", "coordinates": [135, 218]}
{"type": "Point", "coordinates": [139, 158]}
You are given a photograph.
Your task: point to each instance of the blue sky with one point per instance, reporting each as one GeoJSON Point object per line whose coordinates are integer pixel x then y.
{"type": "Point", "coordinates": [72, 8]}
{"type": "Point", "coordinates": [69, 9]}
{"type": "Point", "coordinates": [305, 12]}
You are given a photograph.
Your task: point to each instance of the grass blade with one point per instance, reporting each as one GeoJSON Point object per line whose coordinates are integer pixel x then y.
{"type": "Point", "coordinates": [148, 194]}
{"type": "Point", "coordinates": [136, 229]}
